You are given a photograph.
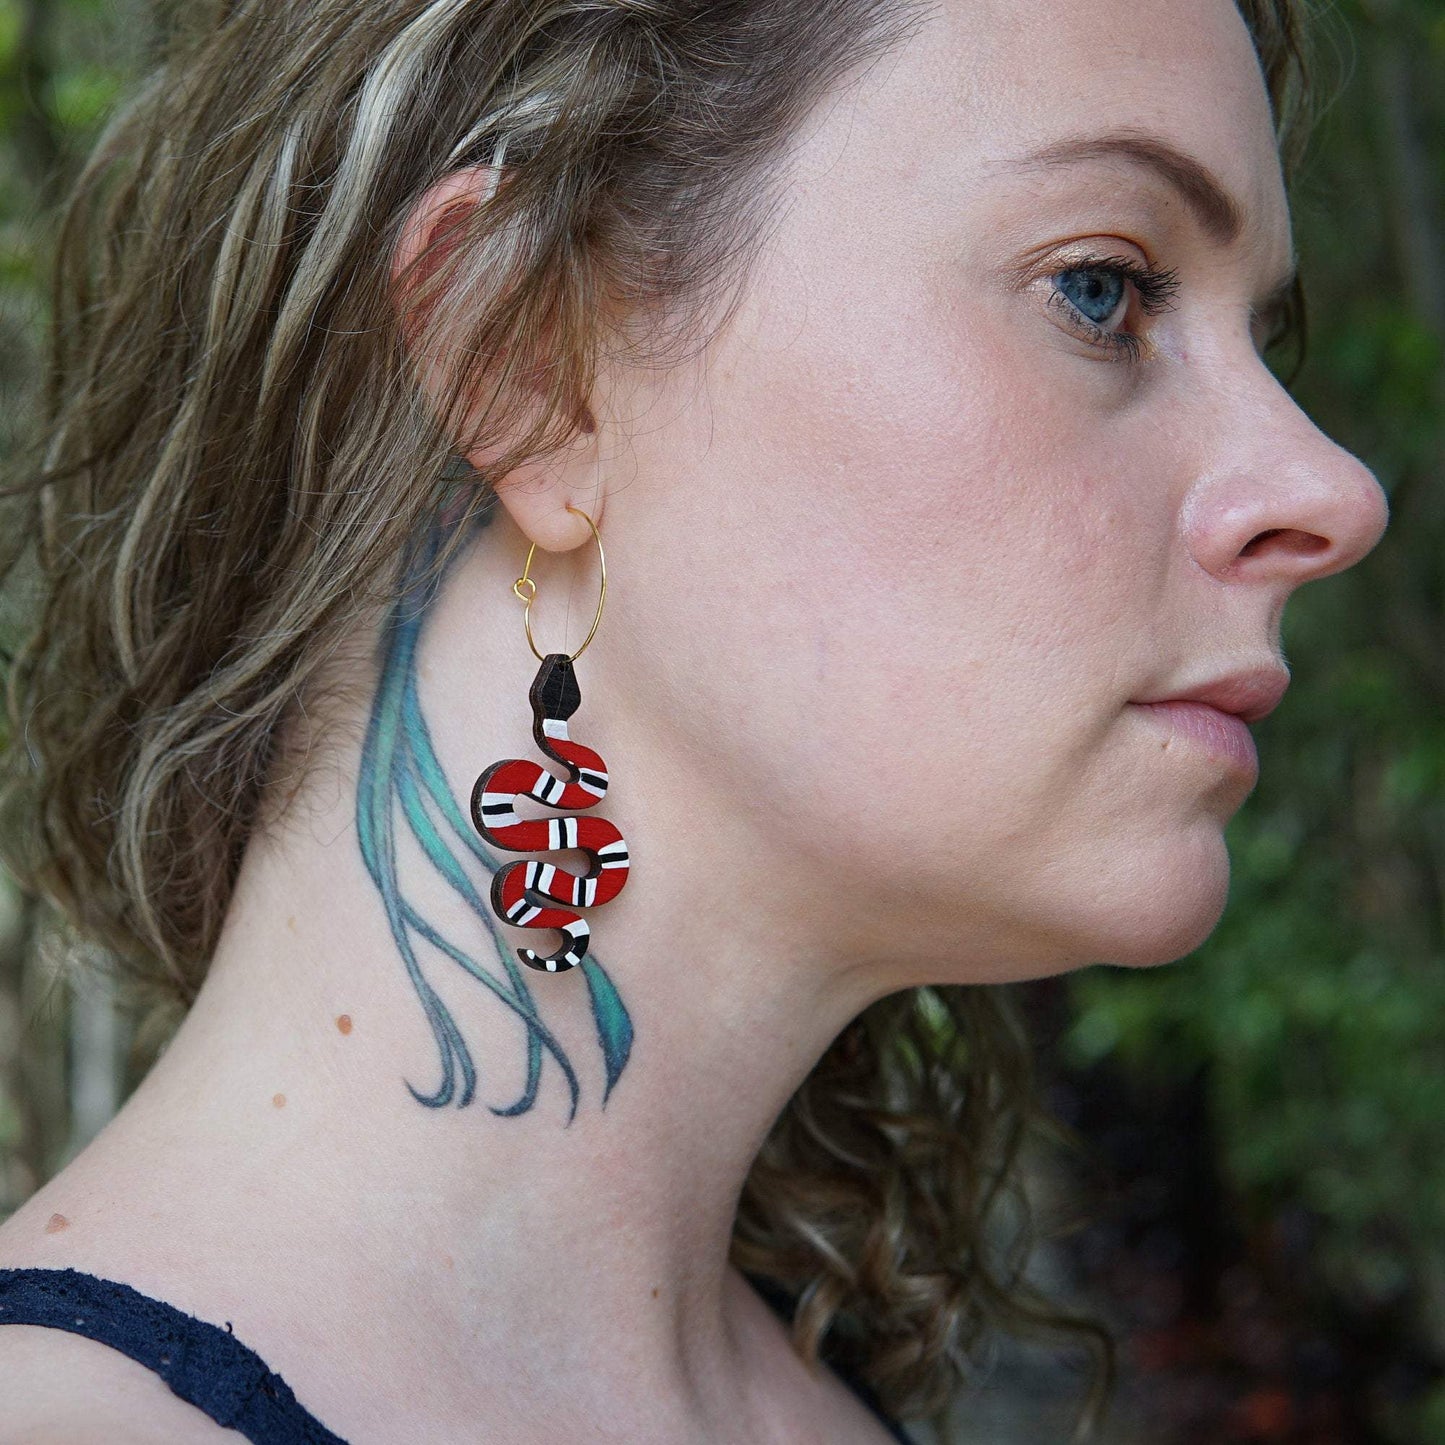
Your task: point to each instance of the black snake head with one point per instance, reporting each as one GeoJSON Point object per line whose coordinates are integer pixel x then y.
{"type": "Point", "coordinates": [555, 693]}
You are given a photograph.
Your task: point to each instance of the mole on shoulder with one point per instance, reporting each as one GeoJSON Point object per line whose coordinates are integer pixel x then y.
{"type": "Point", "coordinates": [56, 1223]}
{"type": "Point", "coordinates": [344, 1023]}
{"type": "Point", "coordinates": [279, 1100]}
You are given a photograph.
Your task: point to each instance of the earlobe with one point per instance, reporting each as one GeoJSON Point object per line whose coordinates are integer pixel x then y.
{"type": "Point", "coordinates": [541, 497]}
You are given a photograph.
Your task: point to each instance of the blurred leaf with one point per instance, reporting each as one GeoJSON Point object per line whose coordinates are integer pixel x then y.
{"type": "Point", "coordinates": [81, 97]}
{"type": "Point", "coordinates": [11, 25]}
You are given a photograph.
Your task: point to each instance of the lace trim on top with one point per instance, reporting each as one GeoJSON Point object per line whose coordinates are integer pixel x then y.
{"type": "Point", "coordinates": [205, 1365]}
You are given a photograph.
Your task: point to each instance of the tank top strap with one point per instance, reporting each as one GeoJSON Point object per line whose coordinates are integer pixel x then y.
{"type": "Point", "coordinates": [204, 1365]}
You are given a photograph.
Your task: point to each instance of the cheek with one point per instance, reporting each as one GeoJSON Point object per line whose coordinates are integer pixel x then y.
{"type": "Point", "coordinates": [947, 523]}
{"type": "Point", "coordinates": [920, 565]}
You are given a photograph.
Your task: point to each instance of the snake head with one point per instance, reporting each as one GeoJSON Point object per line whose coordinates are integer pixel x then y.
{"type": "Point", "coordinates": [555, 693]}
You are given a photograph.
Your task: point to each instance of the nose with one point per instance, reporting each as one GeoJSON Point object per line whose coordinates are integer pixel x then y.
{"type": "Point", "coordinates": [1280, 502]}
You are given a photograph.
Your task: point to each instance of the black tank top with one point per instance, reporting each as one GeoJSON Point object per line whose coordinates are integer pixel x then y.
{"type": "Point", "coordinates": [207, 1366]}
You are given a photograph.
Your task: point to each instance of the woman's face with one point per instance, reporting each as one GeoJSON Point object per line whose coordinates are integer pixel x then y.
{"type": "Point", "coordinates": [897, 558]}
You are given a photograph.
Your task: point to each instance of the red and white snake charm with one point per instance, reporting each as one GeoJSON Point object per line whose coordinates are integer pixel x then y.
{"type": "Point", "coordinates": [521, 890]}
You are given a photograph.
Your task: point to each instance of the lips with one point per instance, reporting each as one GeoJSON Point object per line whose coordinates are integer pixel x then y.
{"type": "Point", "coordinates": [1215, 715]}
{"type": "Point", "coordinates": [1223, 735]}
{"type": "Point", "coordinates": [1249, 694]}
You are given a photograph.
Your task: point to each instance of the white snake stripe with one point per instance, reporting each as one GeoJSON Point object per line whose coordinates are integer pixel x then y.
{"type": "Point", "coordinates": [497, 810]}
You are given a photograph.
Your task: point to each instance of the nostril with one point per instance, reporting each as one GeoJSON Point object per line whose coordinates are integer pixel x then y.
{"type": "Point", "coordinates": [1304, 544]}
{"type": "Point", "coordinates": [1250, 546]}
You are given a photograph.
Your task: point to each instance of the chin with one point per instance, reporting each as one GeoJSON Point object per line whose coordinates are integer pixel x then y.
{"type": "Point", "coordinates": [1153, 908]}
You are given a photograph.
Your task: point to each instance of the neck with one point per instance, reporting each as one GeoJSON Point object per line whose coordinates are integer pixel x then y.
{"type": "Point", "coordinates": [523, 1159]}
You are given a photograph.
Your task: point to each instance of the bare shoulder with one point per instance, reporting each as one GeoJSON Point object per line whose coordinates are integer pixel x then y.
{"type": "Point", "coordinates": [63, 1389]}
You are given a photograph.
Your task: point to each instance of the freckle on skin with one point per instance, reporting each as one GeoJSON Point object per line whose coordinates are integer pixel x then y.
{"type": "Point", "coordinates": [291, 923]}
{"type": "Point", "coordinates": [654, 1291]}
{"type": "Point", "coordinates": [279, 1100]}
{"type": "Point", "coordinates": [56, 1223]}
{"type": "Point", "coordinates": [344, 1023]}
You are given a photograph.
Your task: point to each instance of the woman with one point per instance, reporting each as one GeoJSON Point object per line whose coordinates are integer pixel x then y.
{"type": "Point", "coordinates": [906, 361]}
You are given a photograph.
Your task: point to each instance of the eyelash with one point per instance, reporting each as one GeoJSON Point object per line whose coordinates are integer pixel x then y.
{"type": "Point", "coordinates": [1155, 286]}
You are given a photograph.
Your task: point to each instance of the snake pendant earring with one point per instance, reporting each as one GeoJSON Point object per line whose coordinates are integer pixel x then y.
{"type": "Point", "coordinates": [533, 893]}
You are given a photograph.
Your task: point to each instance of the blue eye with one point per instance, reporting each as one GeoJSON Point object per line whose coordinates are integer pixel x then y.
{"type": "Point", "coordinates": [1089, 294]}
{"type": "Point", "coordinates": [1095, 291]}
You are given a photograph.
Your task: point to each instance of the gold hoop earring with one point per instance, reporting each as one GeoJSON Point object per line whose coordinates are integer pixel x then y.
{"type": "Point", "coordinates": [521, 891]}
{"type": "Point", "coordinates": [525, 580]}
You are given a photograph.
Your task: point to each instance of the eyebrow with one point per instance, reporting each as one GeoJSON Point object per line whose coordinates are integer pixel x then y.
{"type": "Point", "coordinates": [1219, 215]}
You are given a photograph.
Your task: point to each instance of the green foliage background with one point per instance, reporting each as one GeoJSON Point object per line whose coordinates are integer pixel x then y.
{"type": "Point", "coordinates": [1318, 1006]}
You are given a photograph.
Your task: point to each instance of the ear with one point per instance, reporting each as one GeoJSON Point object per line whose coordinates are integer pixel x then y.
{"type": "Point", "coordinates": [538, 494]}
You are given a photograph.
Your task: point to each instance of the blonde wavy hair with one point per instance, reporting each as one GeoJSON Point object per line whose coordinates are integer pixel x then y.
{"type": "Point", "coordinates": [227, 472]}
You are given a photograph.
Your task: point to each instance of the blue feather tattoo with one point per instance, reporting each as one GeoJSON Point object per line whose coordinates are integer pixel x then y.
{"type": "Point", "coordinates": [402, 785]}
